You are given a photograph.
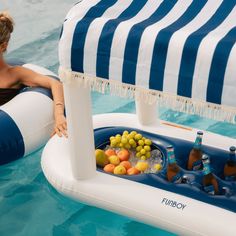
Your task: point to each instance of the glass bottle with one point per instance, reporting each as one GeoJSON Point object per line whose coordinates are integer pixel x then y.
{"type": "Point", "coordinates": [230, 165]}
{"type": "Point", "coordinates": [195, 156]}
{"type": "Point", "coordinates": [209, 181]}
{"type": "Point", "coordinates": [174, 173]}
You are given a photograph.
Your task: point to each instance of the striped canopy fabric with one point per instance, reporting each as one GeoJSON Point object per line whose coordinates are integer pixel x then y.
{"type": "Point", "coordinates": [179, 47]}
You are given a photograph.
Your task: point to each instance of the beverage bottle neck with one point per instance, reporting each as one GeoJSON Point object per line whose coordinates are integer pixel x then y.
{"type": "Point", "coordinates": [198, 142]}
{"type": "Point", "coordinates": [206, 168]}
{"type": "Point", "coordinates": [171, 156]}
{"type": "Point", "coordinates": [232, 156]}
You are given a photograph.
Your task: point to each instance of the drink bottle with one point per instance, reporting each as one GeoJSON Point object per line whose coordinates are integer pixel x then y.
{"type": "Point", "coordinates": [230, 165]}
{"type": "Point", "coordinates": [195, 156]}
{"type": "Point", "coordinates": [174, 173]}
{"type": "Point", "coordinates": [209, 181]}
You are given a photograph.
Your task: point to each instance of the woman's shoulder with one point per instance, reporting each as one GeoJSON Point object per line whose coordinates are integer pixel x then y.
{"type": "Point", "coordinates": [18, 71]}
{"type": "Point", "coordinates": [14, 69]}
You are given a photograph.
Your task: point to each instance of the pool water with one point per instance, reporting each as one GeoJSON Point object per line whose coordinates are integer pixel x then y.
{"type": "Point", "coordinates": [29, 206]}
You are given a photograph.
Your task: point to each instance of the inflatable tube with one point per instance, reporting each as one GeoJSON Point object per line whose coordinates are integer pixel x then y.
{"type": "Point", "coordinates": [26, 121]}
{"type": "Point", "coordinates": [184, 209]}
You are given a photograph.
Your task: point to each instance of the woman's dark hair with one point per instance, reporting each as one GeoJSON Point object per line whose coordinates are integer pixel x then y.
{"type": "Point", "coordinates": [6, 27]}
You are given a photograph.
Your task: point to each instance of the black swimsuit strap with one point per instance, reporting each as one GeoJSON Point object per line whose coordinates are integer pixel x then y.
{"type": "Point", "coordinates": [6, 94]}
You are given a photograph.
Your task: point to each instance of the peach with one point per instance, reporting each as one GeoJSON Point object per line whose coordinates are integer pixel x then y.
{"type": "Point", "coordinates": [110, 152]}
{"type": "Point", "coordinates": [109, 168]}
{"type": "Point", "coordinates": [133, 171]}
{"type": "Point", "coordinates": [123, 155]}
{"type": "Point", "coordinates": [126, 164]}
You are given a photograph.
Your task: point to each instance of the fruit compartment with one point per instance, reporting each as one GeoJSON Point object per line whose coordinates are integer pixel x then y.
{"type": "Point", "coordinates": [192, 184]}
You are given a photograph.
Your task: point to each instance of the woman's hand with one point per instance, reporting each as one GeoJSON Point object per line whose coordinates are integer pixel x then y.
{"type": "Point", "coordinates": [60, 127]}
{"type": "Point", "coordinates": [31, 78]}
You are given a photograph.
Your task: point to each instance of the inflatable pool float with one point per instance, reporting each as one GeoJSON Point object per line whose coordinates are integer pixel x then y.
{"type": "Point", "coordinates": [26, 121]}
{"type": "Point", "coordinates": [184, 209]}
{"type": "Point", "coordinates": [164, 53]}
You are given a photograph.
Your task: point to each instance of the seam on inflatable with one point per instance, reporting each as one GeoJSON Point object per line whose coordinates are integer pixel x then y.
{"type": "Point", "coordinates": [38, 130]}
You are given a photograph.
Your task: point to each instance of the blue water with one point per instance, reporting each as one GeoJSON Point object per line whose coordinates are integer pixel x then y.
{"type": "Point", "coordinates": [28, 205]}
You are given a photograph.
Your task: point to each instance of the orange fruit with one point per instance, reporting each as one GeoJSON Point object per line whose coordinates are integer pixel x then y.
{"type": "Point", "coordinates": [119, 170]}
{"type": "Point", "coordinates": [109, 168]}
{"type": "Point", "coordinates": [126, 164]}
{"type": "Point", "coordinates": [110, 152]}
{"type": "Point", "coordinates": [133, 171]}
{"type": "Point", "coordinates": [123, 155]}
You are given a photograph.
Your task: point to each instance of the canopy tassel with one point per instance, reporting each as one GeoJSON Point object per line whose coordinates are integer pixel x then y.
{"type": "Point", "coordinates": [175, 102]}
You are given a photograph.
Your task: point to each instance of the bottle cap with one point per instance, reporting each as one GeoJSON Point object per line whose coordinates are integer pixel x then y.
{"type": "Point", "coordinates": [169, 147]}
{"type": "Point", "coordinates": [232, 148]}
{"type": "Point", "coordinates": [205, 157]}
{"type": "Point", "coordinates": [199, 132]}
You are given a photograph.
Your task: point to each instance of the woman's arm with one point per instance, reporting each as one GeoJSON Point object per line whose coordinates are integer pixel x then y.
{"type": "Point", "coordinates": [32, 79]}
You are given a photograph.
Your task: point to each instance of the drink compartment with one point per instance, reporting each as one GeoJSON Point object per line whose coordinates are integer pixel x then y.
{"type": "Point", "coordinates": [191, 185]}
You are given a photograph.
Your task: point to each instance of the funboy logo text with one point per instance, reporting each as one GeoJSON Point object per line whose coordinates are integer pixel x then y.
{"type": "Point", "coordinates": [174, 204]}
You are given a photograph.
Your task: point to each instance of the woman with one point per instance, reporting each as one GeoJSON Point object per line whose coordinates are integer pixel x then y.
{"type": "Point", "coordinates": [13, 78]}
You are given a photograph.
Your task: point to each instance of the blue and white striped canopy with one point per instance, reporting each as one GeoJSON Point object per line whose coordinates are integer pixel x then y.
{"type": "Point", "coordinates": [182, 47]}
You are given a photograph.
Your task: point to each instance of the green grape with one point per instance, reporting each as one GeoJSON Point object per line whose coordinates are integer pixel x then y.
{"type": "Point", "coordinates": [118, 139]}
{"type": "Point", "coordinates": [113, 145]}
{"type": "Point", "coordinates": [131, 141]}
{"type": "Point", "coordinates": [134, 145]}
{"type": "Point", "coordinates": [121, 145]}
{"type": "Point", "coordinates": [143, 158]}
{"type": "Point", "coordinates": [125, 132]}
{"type": "Point", "coordinates": [138, 136]}
{"type": "Point", "coordinates": [147, 148]}
{"type": "Point", "coordinates": [148, 142]}
{"type": "Point", "coordinates": [141, 142]}
{"type": "Point", "coordinates": [138, 154]}
{"type": "Point", "coordinates": [143, 151]}
{"type": "Point", "coordinates": [133, 133]}
{"type": "Point", "coordinates": [148, 154]}
{"type": "Point", "coordinates": [124, 140]}
{"type": "Point", "coordinates": [127, 146]}
{"type": "Point", "coordinates": [129, 136]}
{"type": "Point", "coordinates": [112, 137]}
{"type": "Point", "coordinates": [113, 142]}
{"type": "Point", "coordinates": [139, 148]}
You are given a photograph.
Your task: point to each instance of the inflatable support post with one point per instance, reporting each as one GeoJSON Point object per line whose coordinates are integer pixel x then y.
{"type": "Point", "coordinates": [145, 111]}
{"type": "Point", "coordinates": [80, 130]}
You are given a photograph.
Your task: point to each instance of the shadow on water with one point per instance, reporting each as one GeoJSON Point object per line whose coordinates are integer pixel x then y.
{"type": "Point", "coordinates": [97, 222]}
{"type": "Point", "coordinates": [195, 121]}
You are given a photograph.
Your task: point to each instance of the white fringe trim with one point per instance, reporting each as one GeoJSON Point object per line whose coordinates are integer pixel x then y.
{"type": "Point", "coordinates": [175, 102]}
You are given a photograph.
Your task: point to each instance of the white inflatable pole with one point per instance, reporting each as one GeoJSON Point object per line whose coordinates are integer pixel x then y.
{"type": "Point", "coordinates": [147, 113]}
{"type": "Point", "coordinates": [80, 130]}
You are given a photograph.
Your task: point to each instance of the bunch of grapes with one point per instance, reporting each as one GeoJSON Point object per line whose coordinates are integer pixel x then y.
{"type": "Point", "coordinates": [133, 140]}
